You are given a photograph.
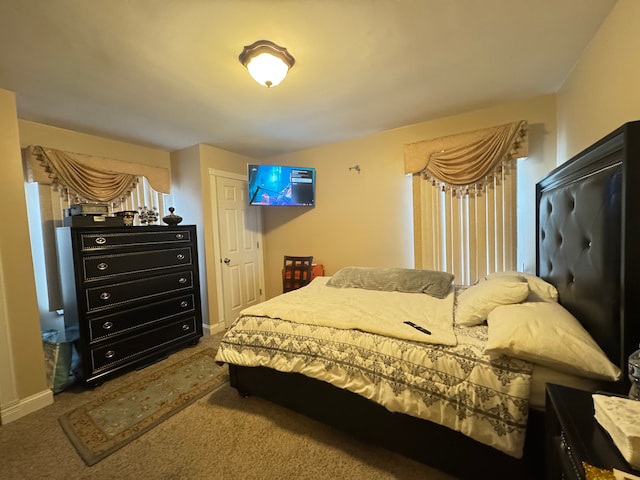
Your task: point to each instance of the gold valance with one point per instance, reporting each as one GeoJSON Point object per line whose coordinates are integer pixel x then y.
{"type": "Point", "coordinates": [87, 177]}
{"type": "Point", "coordinates": [469, 158]}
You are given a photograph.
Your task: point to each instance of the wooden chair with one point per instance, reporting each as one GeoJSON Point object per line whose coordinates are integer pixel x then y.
{"type": "Point", "coordinates": [296, 272]}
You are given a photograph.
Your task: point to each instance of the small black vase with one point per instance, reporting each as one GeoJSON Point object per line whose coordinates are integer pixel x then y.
{"type": "Point", "coordinates": [172, 219]}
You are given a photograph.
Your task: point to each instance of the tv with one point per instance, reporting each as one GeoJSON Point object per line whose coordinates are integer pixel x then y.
{"type": "Point", "coordinates": [279, 185]}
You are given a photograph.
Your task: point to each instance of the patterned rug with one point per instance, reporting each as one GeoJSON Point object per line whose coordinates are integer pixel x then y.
{"type": "Point", "coordinates": [102, 426]}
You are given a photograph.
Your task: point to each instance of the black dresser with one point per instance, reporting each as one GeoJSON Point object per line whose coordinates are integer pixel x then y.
{"type": "Point", "coordinates": [131, 294]}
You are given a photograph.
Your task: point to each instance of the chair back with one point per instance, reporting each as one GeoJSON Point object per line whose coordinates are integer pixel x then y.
{"type": "Point", "coordinates": [296, 272]}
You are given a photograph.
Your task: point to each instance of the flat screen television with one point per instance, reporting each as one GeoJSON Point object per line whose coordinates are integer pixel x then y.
{"type": "Point", "coordinates": [278, 185]}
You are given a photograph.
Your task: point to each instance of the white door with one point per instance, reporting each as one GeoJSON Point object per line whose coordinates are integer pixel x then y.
{"type": "Point", "coordinates": [240, 247]}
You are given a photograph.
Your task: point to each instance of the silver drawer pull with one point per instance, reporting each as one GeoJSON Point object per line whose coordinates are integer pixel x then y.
{"type": "Point", "coordinates": [179, 236]}
{"type": "Point", "coordinates": [105, 295]}
{"type": "Point", "coordinates": [180, 256]}
{"type": "Point", "coordinates": [109, 354]}
{"type": "Point", "coordinates": [103, 266]}
{"type": "Point", "coordinates": [101, 240]}
{"type": "Point", "coordinates": [182, 280]}
{"type": "Point", "coordinates": [185, 327]}
{"type": "Point", "coordinates": [107, 325]}
{"type": "Point", "coordinates": [184, 304]}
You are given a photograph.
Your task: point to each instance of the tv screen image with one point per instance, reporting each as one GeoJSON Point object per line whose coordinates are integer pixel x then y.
{"type": "Point", "coordinates": [278, 185]}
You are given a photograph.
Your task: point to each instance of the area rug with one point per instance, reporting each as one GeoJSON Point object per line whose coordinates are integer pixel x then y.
{"type": "Point", "coordinates": [100, 427]}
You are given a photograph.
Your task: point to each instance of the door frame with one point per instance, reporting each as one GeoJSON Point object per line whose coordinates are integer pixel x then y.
{"type": "Point", "coordinates": [214, 174]}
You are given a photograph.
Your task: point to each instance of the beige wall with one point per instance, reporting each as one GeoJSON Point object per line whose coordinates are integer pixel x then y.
{"type": "Point", "coordinates": [23, 386]}
{"type": "Point", "coordinates": [191, 168]}
{"type": "Point", "coordinates": [602, 92]}
{"type": "Point", "coordinates": [366, 218]}
{"type": "Point", "coordinates": [32, 133]}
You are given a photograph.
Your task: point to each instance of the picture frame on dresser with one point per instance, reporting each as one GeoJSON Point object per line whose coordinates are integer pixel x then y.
{"type": "Point", "coordinates": [131, 295]}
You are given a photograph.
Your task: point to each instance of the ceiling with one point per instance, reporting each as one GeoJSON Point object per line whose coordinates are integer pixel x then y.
{"type": "Point", "coordinates": [165, 73]}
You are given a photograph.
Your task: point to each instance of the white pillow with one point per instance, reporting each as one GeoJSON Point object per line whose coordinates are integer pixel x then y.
{"type": "Point", "coordinates": [475, 303]}
{"type": "Point", "coordinates": [547, 334]}
{"type": "Point", "coordinates": [539, 289]}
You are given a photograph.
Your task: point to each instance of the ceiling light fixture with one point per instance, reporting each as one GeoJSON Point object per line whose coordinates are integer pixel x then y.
{"type": "Point", "coordinates": [267, 62]}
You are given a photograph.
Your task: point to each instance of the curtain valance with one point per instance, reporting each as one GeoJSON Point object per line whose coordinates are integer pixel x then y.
{"type": "Point", "coordinates": [90, 178]}
{"type": "Point", "coordinates": [470, 158]}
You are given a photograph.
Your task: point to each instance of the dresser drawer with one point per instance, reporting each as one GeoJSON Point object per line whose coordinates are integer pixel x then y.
{"type": "Point", "coordinates": [115, 294]}
{"type": "Point", "coordinates": [137, 236]}
{"type": "Point", "coordinates": [106, 266]}
{"type": "Point", "coordinates": [122, 322]}
{"type": "Point", "coordinates": [137, 345]}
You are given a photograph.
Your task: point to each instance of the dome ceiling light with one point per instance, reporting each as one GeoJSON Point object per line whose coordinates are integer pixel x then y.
{"type": "Point", "coordinates": [267, 62]}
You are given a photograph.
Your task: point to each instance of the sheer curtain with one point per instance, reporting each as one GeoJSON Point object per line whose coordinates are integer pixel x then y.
{"type": "Point", "coordinates": [464, 200]}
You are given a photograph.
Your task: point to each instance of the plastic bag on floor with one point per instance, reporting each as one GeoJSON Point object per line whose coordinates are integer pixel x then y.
{"type": "Point", "coordinates": [61, 361]}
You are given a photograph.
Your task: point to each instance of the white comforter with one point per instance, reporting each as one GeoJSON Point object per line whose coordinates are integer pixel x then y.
{"type": "Point", "coordinates": [384, 313]}
{"type": "Point", "coordinates": [458, 387]}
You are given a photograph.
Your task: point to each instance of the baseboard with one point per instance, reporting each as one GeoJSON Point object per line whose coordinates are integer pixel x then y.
{"type": "Point", "coordinates": [213, 329]}
{"type": "Point", "coordinates": [18, 409]}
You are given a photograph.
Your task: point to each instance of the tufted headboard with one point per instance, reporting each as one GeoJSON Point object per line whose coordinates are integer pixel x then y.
{"type": "Point", "coordinates": [588, 240]}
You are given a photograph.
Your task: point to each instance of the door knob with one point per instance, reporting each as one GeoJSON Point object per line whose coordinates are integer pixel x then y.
{"type": "Point", "coordinates": [227, 261]}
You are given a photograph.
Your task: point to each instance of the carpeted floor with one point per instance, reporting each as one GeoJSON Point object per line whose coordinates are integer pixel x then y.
{"type": "Point", "coordinates": [220, 436]}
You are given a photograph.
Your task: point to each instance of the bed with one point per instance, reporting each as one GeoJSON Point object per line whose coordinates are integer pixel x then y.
{"type": "Point", "coordinates": [458, 393]}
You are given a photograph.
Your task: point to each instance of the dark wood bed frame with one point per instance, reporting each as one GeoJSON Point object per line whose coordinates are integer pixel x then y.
{"type": "Point", "coordinates": [585, 246]}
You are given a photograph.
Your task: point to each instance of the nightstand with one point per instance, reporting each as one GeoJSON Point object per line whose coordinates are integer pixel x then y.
{"type": "Point", "coordinates": [573, 436]}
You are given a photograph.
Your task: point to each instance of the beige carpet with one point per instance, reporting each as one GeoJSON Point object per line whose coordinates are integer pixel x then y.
{"type": "Point", "coordinates": [220, 436]}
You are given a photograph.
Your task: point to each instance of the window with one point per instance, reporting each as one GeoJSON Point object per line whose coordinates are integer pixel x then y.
{"type": "Point", "coordinates": [464, 200]}
{"type": "Point", "coordinates": [46, 210]}
{"type": "Point", "coordinates": [468, 235]}
{"type": "Point", "coordinates": [54, 181]}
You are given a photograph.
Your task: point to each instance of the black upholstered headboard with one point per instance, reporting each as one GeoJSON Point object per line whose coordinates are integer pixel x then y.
{"type": "Point", "coordinates": [588, 241]}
